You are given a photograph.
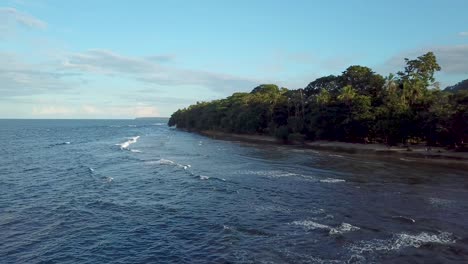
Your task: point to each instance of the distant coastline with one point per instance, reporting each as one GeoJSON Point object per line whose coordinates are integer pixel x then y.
{"type": "Point", "coordinates": [150, 118]}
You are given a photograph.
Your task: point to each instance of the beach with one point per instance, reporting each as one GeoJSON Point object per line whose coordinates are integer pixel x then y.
{"type": "Point", "coordinates": [416, 153]}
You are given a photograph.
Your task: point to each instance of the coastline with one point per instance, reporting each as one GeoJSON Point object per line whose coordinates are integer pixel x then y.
{"type": "Point", "coordinates": [437, 156]}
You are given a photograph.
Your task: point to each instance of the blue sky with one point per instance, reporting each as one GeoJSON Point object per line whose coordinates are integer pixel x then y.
{"type": "Point", "coordinates": [123, 59]}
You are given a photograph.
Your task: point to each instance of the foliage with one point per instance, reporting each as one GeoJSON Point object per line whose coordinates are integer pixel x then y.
{"type": "Point", "coordinates": [356, 106]}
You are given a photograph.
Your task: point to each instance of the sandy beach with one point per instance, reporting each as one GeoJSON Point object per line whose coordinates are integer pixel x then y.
{"type": "Point", "coordinates": [438, 156]}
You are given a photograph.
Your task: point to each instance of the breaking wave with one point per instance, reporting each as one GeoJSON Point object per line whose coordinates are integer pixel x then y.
{"type": "Point", "coordinates": [60, 144]}
{"type": "Point", "coordinates": [125, 145]}
{"type": "Point", "coordinates": [402, 240]}
{"type": "Point", "coordinates": [341, 229]}
{"type": "Point", "coordinates": [332, 180]}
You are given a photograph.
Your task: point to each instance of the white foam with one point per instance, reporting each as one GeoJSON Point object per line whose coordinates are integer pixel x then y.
{"type": "Point", "coordinates": [332, 180]}
{"type": "Point", "coordinates": [203, 177]}
{"type": "Point", "coordinates": [91, 169]}
{"type": "Point", "coordinates": [311, 225]}
{"type": "Point", "coordinates": [60, 144]}
{"type": "Point", "coordinates": [269, 173]}
{"type": "Point", "coordinates": [109, 179]}
{"type": "Point", "coordinates": [159, 124]}
{"type": "Point", "coordinates": [125, 145]}
{"type": "Point", "coordinates": [335, 155]}
{"type": "Point", "coordinates": [343, 228]}
{"type": "Point", "coordinates": [439, 202]}
{"type": "Point", "coordinates": [135, 150]}
{"type": "Point", "coordinates": [407, 160]}
{"type": "Point", "coordinates": [166, 162]}
{"type": "Point", "coordinates": [402, 240]}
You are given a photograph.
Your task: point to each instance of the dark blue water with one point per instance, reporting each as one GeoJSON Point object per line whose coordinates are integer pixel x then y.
{"type": "Point", "coordinates": [136, 191]}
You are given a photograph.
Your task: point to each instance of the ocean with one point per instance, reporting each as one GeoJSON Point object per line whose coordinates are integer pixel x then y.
{"type": "Point", "coordinates": [137, 191]}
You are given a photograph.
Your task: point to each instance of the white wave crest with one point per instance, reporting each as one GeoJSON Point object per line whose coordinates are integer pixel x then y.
{"type": "Point", "coordinates": [109, 179]}
{"type": "Point", "coordinates": [203, 177]}
{"type": "Point", "coordinates": [343, 228]}
{"type": "Point", "coordinates": [125, 145]}
{"type": "Point", "coordinates": [135, 150]}
{"type": "Point", "coordinates": [166, 162]}
{"type": "Point", "coordinates": [311, 225]}
{"type": "Point", "coordinates": [332, 180]}
{"type": "Point", "coordinates": [407, 160]}
{"type": "Point", "coordinates": [269, 173]}
{"type": "Point", "coordinates": [404, 218]}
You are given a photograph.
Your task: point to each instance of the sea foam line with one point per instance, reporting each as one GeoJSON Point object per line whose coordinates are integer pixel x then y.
{"type": "Point", "coordinates": [402, 240]}
{"type": "Point", "coordinates": [311, 225]}
{"type": "Point", "coordinates": [125, 145]}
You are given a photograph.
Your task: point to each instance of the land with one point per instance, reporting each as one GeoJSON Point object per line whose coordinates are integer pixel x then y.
{"type": "Point", "coordinates": [404, 115]}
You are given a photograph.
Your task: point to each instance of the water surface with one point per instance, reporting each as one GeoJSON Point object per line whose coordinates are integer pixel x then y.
{"type": "Point", "coordinates": [136, 191]}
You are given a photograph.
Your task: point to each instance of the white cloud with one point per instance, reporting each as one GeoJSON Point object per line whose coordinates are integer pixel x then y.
{"type": "Point", "coordinates": [145, 111]}
{"type": "Point", "coordinates": [148, 70]}
{"type": "Point", "coordinates": [12, 17]}
{"type": "Point", "coordinates": [52, 110]}
{"type": "Point", "coordinates": [18, 77]}
{"type": "Point", "coordinates": [93, 111]}
{"type": "Point", "coordinates": [452, 59]}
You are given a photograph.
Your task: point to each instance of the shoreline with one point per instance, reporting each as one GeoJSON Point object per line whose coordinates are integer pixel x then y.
{"type": "Point", "coordinates": [437, 156]}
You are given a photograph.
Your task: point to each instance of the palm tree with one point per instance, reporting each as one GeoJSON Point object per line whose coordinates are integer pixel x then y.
{"type": "Point", "coordinates": [347, 94]}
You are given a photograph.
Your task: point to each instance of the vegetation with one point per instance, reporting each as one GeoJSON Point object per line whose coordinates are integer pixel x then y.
{"type": "Point", "coordinates": [356, 106]}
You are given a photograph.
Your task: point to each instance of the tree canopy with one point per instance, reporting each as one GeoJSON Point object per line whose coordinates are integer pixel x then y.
{"type": "Point", "coordinates": [357, 106]}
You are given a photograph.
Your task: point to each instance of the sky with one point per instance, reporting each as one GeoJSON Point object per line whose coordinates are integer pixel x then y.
{"type": "Point", "coordinates": [126, 59]}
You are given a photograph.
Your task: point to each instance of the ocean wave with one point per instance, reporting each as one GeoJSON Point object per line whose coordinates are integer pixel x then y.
{"type": "Point", "coordinates": [202, 177]}
{"type": "Point", "coordinates": [60, 144]}
{"type": "Point", "coordinates": [404, 218]}
{"type": "Point", "coordinates": [407, 160]}
{"type": "Point", "coordinates": [269, 173]}
{"type": "Point", "coordinates": [402, 240]}
{"type": "Point", "coordinates": [125, 145]}
{"type": "Point", "coordinates": [165, 162]}
{"type": "Point", "coordinates": [332, 180]}
{"type": "Point", "coordinates": [341, 229]}
{"type": "Point", "coordinates": [170, 163]}
{"type": "Point", "coordinates": [135, 150]}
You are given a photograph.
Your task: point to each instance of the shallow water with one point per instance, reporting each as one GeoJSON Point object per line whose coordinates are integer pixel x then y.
{"type": "Point", "coordinates": [136, 191]}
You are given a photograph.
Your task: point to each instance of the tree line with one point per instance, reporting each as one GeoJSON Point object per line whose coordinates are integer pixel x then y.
{"type": "Point", "coordinates": [357, 106]}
